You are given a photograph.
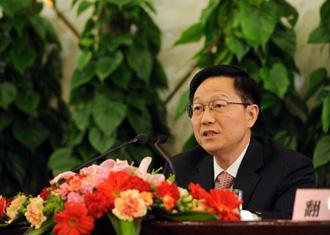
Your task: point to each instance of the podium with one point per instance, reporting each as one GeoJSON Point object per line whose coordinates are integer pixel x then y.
{"type": "Point", "coordinates": [265, 227]}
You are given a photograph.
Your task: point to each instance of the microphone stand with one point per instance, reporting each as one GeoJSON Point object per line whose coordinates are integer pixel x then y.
{"type": "Point", "coordinates": [140, 138]}
{"type": "Point", "coordinates": [161, 139]}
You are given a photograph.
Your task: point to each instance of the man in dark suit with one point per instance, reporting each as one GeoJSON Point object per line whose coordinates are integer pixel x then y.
{"type": "Point", "coordinates": [224, 106]}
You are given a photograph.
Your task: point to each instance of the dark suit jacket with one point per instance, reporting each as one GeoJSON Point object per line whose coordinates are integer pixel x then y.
{"type": "Point", "coordinates": [268, 175]}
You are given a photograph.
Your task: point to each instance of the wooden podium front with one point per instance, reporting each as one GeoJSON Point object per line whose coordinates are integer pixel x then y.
{"type": "Point", "coordinates": [265, 227]}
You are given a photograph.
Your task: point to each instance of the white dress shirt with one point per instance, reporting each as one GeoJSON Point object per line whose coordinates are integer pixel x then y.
{"type": "Point", "coordinates": [232, 169]}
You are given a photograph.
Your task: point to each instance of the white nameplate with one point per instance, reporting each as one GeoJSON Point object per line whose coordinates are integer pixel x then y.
{"type": "Point", "coordinates": [312, 204]}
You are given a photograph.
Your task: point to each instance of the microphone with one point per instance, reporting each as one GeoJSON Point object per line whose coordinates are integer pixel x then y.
{"type": "Point", "coordinates": [140, 139]}
{"type": "Point", "coordinates": [161, 139]}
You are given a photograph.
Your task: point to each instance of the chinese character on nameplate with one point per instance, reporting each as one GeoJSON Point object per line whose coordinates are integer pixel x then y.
{"type": "Point", "coordinates": [312, 208]}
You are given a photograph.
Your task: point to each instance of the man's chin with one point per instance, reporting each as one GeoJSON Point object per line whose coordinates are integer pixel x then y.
{"type": "Point", "coordinates": [211, 148]}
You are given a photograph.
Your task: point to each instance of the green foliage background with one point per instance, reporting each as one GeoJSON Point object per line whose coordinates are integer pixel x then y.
{"type": "Point", "coordinates": [114, 88]}
{"type": "Point", "coordinates": [32, 113]}
{"type": "Point", "coordinates": [259, 36]}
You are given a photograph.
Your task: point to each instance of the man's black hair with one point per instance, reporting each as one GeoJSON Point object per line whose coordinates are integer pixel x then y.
{"type": "Point", "coordinates": [246, 87]}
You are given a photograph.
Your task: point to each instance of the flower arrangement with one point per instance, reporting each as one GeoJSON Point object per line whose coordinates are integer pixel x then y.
{"type": "Point", "coordinates": [121, 192]}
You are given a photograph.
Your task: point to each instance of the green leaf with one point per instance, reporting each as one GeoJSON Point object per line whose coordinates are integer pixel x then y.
{"type": "Point", "coordinates": [189, 143]}
{"type": "Point", "coordinates": [150, 6]}
{"type": "Point", "coordinates": [84, 59]}
{"type": "Point", "coordinates": [258, 23]}
{"type": "Point", "coordinates": [5, 41]}
{"type": "Point", "coordinates": [10, 7]}
{"type": "Point", "coordinates": [192, 34]}
{"type": "Point", "coordinates": [86, 41]}
{"type": "Point", "coordinates": [286, 139]}
{"type": "Point", "coordinates": [100, 141]}
{"type": "Point", "coordinates": [207, 12]}
{"type": "Point", "coordinates": [83, 6]}
{"type": "Point", "coordinates": [74, 2]}
{"type": "Point", "coordinates": [106, 65]}
{"type": "Point", "coordinates": [319, 35]}
{"type": "Point", "coordinates": [81, 117]}
{"type": "Point", "coordinates": [268, 101]}
{"type": "Point", "coordinates": [158, 74]}
{"type": "Point", "coordinates": [5, 120]}
{"type": "Point", "coordinates": [140, 59]}
{"type": "Point", "coordinates": [73, 136]}
{"type": "Point", "coordinates": [237, 47]}
{"type": "Point", "coordinates": [2, 68]}
{"type": "Point", "coordinates": [285, 9]}
{"type": "Point", "coordinates": [28, 101]}
{"type": "Point", "coordinates": [30, 134]}
{"type": "Point", "coordinates": [322, 152]}
{"type": "Point", "coordinates": [119, 40]}
{"type": "Point", "coordinates": [224, 56]}
{"type": "Point", "coordinates": [39, 26]}
{"type": "Point", "coordinates": [150, 31]}
{"type": "Point", "coordinates": [62, 160]}
{"type": "Point", "coordinates": [8, 93]}
{"type": "Point", "coordinates": [16, 166]}
{"type": "Point", "coordinates": [314, 81]}
{"type": "Point", "coordinates": [285, 39]}
{"type": "Point", "coordinates": [19, 23]}
{"type": "Point", "coordinates": [325, 14]}
{"type": "Point", "coordinates": [182, 105]}
{"type": "Point", "coordinates": [122, 76]}
{"type": "Point", "coordinates": [141, 121]}
{"type": "Point", "coordinates": [22, 57]}
{"type": "Point", "coordinates": [276, 80]}
{"type": "Point", "coordinates": [81, 77]}
{"type": "Point", "coordinates": [121, 3]}
{"type": "Point", "coordinates": [44, 229]}
{"type": "Point", "coordinates": [326, 114]}
{"type": "Point", "coordinates": [108, 115]}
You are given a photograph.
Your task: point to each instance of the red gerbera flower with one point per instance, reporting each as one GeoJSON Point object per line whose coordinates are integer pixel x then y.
{"type": "Point", "coordinates": [225, 203]}
{"type": "Point", "coordinates": [198, 192]}
{"type": "Point", "coordinates": [73, 220]}
{"type": "Point", "coordinates": [135, 182]}
{"type": "Point", "coordinates": [169, 193]}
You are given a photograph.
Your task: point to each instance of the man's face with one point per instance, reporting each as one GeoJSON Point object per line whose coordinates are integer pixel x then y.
{"type": "Point", "coordinates": [229, 129]}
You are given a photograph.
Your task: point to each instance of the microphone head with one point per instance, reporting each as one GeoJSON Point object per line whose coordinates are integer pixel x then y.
{"type": "Point", "coordinates": [161, 139]}
{"type": "Point", "coordinates": [141, 138]}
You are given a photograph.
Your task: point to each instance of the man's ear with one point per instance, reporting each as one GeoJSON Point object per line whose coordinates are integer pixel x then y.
{"type": "Point", "coordinates": [252, 114]}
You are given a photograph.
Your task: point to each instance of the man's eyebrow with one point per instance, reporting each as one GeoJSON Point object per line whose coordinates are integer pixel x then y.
{"type": "Point", "coordinates": [213, 97]}
{"type": "Point", "coordinates": [219, 96]}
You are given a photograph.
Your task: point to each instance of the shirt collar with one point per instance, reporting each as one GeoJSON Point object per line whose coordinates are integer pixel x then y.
{"type": "Point", "coordinates": [233, 168]}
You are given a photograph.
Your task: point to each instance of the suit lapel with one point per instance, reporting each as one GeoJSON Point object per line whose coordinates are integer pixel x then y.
{"type": "Point", "coordinates": [247, 178]}
{"type": "Point", "coordinates": [203, 171]}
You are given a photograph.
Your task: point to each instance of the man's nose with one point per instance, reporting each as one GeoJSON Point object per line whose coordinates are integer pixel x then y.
{"type": "Point", "coordinates": [207, 115]}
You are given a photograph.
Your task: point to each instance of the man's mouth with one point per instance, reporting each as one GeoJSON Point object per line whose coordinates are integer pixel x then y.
{"type": "Point", "coordinates": [209, 133]}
